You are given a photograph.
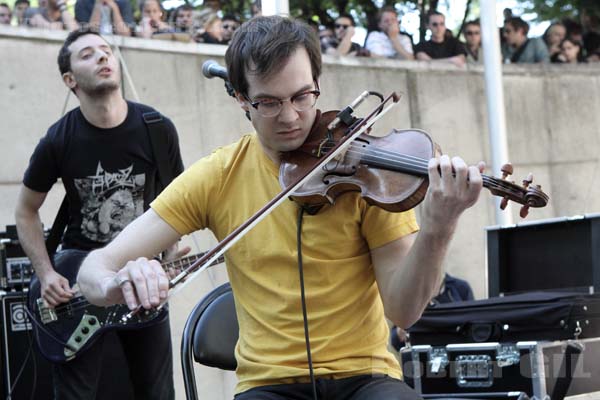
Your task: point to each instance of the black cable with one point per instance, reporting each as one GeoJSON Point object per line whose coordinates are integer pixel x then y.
{"type": "Point", "coordinates": [14, 383]}
{"type": "Point", "coordinates": [304, 316]}
{"type": "Point", "coordinates": [381, 98]}
{"type": "Point", "coordinates": [29, 350]}
{"type": "Point", "coordinates": [377, 94]}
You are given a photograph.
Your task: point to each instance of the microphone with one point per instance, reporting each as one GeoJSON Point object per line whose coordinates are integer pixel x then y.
{"type": "Point", "coordinates": [211, 69]}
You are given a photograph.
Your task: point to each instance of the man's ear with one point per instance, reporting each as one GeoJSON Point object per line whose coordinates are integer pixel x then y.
{"type": "Point", "coordinates": [69, 80]}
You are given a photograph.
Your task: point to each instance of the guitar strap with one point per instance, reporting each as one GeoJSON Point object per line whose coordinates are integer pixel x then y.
{"type": "Point", "coordinates": [58, 227]}
{"type": "Point", "coordinates": [158, 134]}
{"type": "Point", "coordinates": [159, 140]}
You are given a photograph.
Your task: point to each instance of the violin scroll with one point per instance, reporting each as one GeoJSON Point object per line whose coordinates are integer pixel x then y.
{"type": "Point", "coordinates": [527, 195]}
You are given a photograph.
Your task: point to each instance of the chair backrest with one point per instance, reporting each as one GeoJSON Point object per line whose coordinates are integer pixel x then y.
{"type": "Point", "coordinates": [209, 336]}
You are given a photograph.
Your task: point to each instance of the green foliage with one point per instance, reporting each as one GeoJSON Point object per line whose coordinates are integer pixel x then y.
{"type": "Point", "coordinates": [551, 10]}
{"type": "Point", "coordinates": [325, 11]}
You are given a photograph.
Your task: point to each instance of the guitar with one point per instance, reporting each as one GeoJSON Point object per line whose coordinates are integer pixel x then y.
{"type": "Point", "coordinates": [66, 331]}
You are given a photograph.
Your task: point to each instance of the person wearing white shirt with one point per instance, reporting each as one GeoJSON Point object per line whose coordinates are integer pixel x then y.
{"type": "Point", "coordinates": [389, 41]}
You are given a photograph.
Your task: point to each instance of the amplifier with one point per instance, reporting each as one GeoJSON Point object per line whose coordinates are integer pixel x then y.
{"type": "Point", "coordinates": [529, 369]}
{"type": "Point", "coordinates": [26, 374]}
{"type": "Point", "coordinates": [16, 269]}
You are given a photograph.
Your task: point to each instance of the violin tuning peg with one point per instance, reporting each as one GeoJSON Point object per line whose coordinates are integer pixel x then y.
{"type": "Point", "coordinates": [507, 170]}
{"type": "Point", "coordinates": [524, 211]}
{"type": "Point", "coordinates": [527, 181]}
{"type": "Point", "coordinates": [503, 203]}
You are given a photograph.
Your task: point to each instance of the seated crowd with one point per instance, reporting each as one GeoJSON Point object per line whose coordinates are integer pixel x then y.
{"type": "Point", "coordinates": [564, 41]}
{"type": "Point", "coordinates": [183, 23]}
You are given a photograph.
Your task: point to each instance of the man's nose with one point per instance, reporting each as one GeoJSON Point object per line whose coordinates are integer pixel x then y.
{"type": "Point", "coordinates": [102, 56]}
{"type": "Point", "coordinates": [288, 113]}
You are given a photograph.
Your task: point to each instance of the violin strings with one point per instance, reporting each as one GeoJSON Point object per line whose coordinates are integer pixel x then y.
{"type": "Point", "coordinates": [411, 163]}
{"type": "Point", "coordinates": [385, 156]}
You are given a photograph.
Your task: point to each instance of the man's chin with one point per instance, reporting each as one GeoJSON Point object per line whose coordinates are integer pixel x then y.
{"type": "Point", "coordinates": [105, 88]}
{"type": "Point", "coordinates": [291, 145]}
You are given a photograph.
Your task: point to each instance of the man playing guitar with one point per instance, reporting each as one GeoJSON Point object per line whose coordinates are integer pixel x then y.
{"type": "Point", "coordinates": [103, 154]}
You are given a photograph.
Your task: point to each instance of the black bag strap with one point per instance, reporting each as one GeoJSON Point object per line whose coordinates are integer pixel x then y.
{"type": "Point", "coordinates": [515, 57]}
{"type": "Point", "coordinates": [157, 130]}
{"type": "Point", "coordinates": [58, 227]}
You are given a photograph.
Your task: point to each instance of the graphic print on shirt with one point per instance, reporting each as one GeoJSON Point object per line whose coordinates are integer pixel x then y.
{"type": "Point", "coordinates": [109, 201]}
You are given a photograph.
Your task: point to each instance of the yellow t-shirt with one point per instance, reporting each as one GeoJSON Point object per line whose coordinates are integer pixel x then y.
{"type": "Point", "coordinates": [348, 332]}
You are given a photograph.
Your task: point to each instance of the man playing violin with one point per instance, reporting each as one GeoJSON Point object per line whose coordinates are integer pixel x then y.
{"type": "Point", "coordinates": [360, 263]}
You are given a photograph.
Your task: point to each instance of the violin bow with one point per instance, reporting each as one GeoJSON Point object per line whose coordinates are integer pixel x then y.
{"type": "Point", "coordinates": [189, 273]}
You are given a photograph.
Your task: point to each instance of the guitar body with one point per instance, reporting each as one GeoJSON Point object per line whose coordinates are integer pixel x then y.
{"type": "Point", "coordinates": [64, 332]}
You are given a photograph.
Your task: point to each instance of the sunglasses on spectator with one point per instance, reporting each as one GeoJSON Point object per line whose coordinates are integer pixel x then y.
{"type": "Point", "coordinates": [337, 26]}
{"type": "Point", "coordinates": [470, 33]}
{"type": "Point", "coordinates": [437, 23]}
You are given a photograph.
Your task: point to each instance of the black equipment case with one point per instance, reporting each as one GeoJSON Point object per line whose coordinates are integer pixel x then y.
{"type": "Point", "coordinates": [557, 254]}
{"type": "Point", "coordinates": [538, 316]}
{"type": "Point", "coordinates": [523, 370]}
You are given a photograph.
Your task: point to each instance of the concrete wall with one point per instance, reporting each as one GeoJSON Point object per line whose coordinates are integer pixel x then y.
{"type": "Point", "coordinates": [552, 125]}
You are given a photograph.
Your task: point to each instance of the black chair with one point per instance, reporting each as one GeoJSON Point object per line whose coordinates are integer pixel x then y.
{"type": "Point", "coordinates": [209, 336]}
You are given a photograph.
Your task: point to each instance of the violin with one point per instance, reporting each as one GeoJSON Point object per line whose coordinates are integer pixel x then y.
{"type": "Point", "coordinates": [389, 171]}
{"type": "Point", "coordinates": [340, 156]}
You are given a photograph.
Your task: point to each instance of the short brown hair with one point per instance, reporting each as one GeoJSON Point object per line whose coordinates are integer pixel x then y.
{"type": "Point", "coordinates": [517, 23]}
{"type": "Point", "coordinates": [265, 44]}
{"type": "Point", "coordinates": [64, 54]}
{"type": "Point", "coordinates": [383, 10]}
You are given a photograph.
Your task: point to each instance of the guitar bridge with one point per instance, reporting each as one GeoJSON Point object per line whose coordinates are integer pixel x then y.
{"type": "Point", "coordinates": [47, 314]}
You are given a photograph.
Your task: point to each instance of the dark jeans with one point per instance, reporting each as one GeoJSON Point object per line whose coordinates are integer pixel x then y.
{"type": "Point", "coordinates": [148, 354]}
{"type": "Point", "coordinates": [362, 387]}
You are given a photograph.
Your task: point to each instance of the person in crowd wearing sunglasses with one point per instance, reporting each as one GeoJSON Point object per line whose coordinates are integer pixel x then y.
{"type": "Point", "coordinates": [441, 47]}
{"type": "Point", "coordinates": [230, 25]}
{"type": "Point", "coordinates": [344, 31]}
{"type": "Point", "coordinates": [472, 35]}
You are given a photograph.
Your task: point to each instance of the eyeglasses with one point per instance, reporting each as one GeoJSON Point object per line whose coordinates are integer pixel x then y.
{"type": "Point", "coordinates": [338, 26]}
{"type": "Point", "coordinates": [438, 23]}
{"type": "Point", "coordinates": [302, 101]}
{"type": "Point", "coordinates": [470, 33]}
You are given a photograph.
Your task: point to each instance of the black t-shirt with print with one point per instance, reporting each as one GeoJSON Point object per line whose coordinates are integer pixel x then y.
{"type": "Point", "coordinates": [450, 47]}
{"type": "Point", "coordinates": [109, 174]}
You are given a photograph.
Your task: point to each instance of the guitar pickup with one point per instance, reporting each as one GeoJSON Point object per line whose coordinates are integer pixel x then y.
{"type": "Point", "coordinates": [47, 314]}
